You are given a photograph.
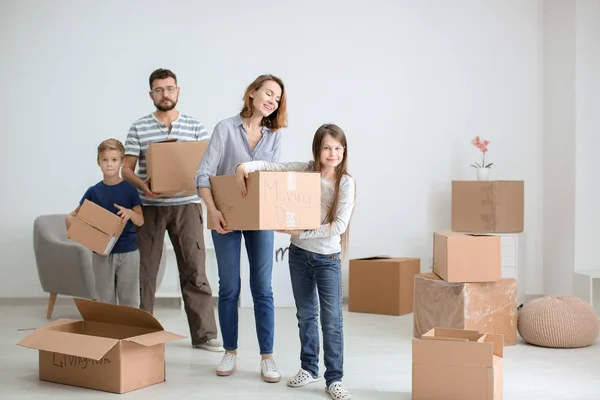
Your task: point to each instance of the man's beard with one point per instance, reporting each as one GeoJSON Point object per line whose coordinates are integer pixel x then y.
{"type": "Point", "coordinates": [165, 108]}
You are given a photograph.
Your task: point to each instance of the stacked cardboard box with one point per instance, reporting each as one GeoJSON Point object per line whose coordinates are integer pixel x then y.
{"type": "Point", "coordinates": [457, 364]}
{"type": "Point", "coordinates": [465, 303]}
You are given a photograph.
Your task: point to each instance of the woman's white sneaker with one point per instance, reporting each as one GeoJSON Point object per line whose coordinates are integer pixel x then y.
{"type": "Point", "coordinates": [268, 371]}
{"type": "Point", "coordinates": [302, 378]}
{"type": "Point", "coordinates": [227, 364]}
{"type": "Point", "coordinates": [337, 391]}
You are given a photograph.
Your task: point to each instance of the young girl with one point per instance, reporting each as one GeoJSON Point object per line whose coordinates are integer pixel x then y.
{"type": "Point", "coordinates": [252, 134]}
{"type": "Point", "coordinates": [315, 261]}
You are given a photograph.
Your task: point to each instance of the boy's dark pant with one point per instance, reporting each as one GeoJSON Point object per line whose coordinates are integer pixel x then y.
{"type": "Point", "coordinates": [185, 228]}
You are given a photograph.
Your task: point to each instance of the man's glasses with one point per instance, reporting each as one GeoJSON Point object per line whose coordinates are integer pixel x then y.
{"type": "Point", "coordinates": [170, 89]}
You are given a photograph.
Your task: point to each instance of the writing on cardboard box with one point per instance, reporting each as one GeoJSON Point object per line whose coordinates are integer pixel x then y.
{"type": "Point", "coordinates": [66, 361]}
{"type": "Point", "coordinates": [273, 194]}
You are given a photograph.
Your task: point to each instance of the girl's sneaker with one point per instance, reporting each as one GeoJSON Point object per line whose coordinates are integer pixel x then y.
{"type": "Point", "coordinates": [337, 391]}
{"type": "Point", "coordinates": [227, 365]}
{"type": "Point", "coordinates": [302, 378]}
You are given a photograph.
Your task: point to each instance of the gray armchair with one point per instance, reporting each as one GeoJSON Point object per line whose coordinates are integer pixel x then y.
{"type": "Point", "coordinates": [64, 266]}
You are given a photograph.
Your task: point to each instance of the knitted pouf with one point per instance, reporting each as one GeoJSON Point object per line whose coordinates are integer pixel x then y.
{"type": "Point", "coordinates": [558, 321]}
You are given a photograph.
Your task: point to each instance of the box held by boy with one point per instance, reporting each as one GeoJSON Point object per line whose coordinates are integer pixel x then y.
{"type": "Point", "coordinates": [96, 228]}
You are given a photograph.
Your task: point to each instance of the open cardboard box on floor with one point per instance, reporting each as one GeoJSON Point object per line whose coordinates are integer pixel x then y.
{"type": "Point", "coordinates": [96, 228]}
{"type": "Point", "coordinates": [114, 348]}
{"type": "Point", "coordinates": [456, 364]}
{"type": "Point", "coordinates": [172, 166]}
{"type": "Point", "coordinates": [275, 200]}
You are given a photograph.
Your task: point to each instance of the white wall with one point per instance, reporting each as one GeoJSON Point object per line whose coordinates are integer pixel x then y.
{"type": "Point", "coordinates": [571, 140]}
{"type": "Point", "coordinates": [410, 82]}
{"type": "Point", "coordinates": [587, 90]}
{"type": "Point", "coordinates": [558, 145]}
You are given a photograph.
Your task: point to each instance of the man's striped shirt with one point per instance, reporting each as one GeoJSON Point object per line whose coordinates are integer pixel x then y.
{"type": "Point", "coordinates": [147, 130]}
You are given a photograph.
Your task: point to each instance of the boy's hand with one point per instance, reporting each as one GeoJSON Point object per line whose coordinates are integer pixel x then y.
{"type": "Point", "coordinates": [146, 188]}
{"type": "Point", "coordinates": [124, 213]}
{"type": "Point", "coordinates": [69, 220]}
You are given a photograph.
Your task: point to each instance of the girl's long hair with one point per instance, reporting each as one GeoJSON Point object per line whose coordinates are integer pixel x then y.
{"type": "Point", "coordinates": [337, 134]}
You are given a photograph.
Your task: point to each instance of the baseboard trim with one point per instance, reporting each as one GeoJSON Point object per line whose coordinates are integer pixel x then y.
{"type": "Point", "coordinates": [161, 302]}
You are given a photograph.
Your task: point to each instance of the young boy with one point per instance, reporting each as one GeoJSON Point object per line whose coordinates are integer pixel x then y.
{"type": "Point", "coordinates": [117, 275]}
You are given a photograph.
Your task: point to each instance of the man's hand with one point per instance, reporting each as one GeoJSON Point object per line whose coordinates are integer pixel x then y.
{"type": "Point", "coordinates": [146, 188]}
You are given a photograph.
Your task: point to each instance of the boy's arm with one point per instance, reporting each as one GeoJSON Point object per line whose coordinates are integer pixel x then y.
{"type": "Point", "coordinates": [137, 216]}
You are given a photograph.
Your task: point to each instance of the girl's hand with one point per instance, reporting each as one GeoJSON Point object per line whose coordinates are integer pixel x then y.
{"type": "Point", "coordinates": [241, 174]}
{"type": "Point", "coordinates": [293, 232]}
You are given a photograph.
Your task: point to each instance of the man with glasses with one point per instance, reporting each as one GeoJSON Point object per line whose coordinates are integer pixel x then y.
{"type": "Point", "coordinates": [180, 216]}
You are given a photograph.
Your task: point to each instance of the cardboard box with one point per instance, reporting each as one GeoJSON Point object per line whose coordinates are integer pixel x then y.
{"type": "Point", "coordinates": [275, 200]}
{"type": "Point", "coordinates": [488, 206]}
{"type": "Point", "coordinates": [485, 307]}
{"type": "Point", "coordinates": [172, 166]}
{"type": "Point", "coordinates": [382, 285]}
{"type": "Point", "coordinates": [96, 228]}
{"type": "Point", "coordinates": [114, 348]}
{"type": "Point", "coordinates": [460, 257]}
{"type": "Point", "coordinates": [451, 364]}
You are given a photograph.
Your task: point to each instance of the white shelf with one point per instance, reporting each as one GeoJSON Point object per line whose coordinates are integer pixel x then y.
{"type": "Point", "coordinates": [586, 285]}
{"type": "Point", "coordinates": [512, 252]}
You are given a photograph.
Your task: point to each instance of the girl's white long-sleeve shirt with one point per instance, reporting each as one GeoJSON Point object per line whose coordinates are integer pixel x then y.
{"type": "Point", "coordinates": [326, 239]}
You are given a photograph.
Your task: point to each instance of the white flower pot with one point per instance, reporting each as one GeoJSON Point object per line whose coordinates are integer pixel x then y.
{"type": "Point", "coordinates": [483, 174]}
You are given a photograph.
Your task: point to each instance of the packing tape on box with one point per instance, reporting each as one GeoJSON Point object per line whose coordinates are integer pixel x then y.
{"type": "Point", "coordinates": [110, 245]}
{"type": "Point", "coordinates": [290, 219]}
{"type": "Point", "coordinates": [291, 181]}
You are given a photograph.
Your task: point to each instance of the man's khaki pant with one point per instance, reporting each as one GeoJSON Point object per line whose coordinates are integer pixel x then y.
{"type": "Point", "coordinates": [185, 228]}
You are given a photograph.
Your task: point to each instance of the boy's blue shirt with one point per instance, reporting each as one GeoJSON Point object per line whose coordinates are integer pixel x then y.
{"type": "Point", "coordinates": [123, 194]}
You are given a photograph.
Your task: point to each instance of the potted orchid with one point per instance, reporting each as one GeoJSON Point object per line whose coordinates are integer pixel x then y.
{"type": "Point", "coordinates": [483, 169]}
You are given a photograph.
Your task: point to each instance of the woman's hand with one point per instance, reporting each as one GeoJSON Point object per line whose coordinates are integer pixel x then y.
{"type": "Point", "coordinates": [219, 221]}
{"type": "Point", "coordinates": [241, 174]}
